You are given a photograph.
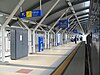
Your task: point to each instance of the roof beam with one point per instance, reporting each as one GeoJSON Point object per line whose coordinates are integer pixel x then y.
{"type": "Point", "coordinates": [69, 3]}
{"type": "Point", "coordinates": [47, 14]}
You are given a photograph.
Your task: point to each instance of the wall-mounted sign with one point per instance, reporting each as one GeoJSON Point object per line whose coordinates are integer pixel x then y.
{"type": "Point", "coordinates": [29, 14]}
{"type": "Point", "coordinates": [21, 37]}
{"type": "Point", "coordinates": [40, 44]}
{"type": "Point", "coordinates": [63, 24]}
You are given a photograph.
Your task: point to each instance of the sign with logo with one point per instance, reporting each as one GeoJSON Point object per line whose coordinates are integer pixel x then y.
{"type": "Point", "coordinates": [29, 14]}
{"type": "Point", "coordinates": [63, 24]}
{"type": "Point", "coordinates": [22, 14]}
{"type": "Point", "coordinates": [40, 44]}
{"type": "Point", "coordinates": [36, 13]}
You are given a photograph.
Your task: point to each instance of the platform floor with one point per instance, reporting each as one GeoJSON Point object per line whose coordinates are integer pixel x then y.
{"type": "Point", "coordinates": [41, 63]}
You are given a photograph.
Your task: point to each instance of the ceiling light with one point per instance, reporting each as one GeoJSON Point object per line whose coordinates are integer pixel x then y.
{"type": "Point", "coordinates": [87, 10]}
{"type": "Point", "coordinates": [1, 15]}
{"type": "Point", "coordinates": [87, 3]}
{"type": "Point", "coordinates": [69, 3]}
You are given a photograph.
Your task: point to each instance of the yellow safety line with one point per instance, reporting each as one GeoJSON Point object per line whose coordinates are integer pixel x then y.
{"type": "Point", "coordinates": [66, 62]}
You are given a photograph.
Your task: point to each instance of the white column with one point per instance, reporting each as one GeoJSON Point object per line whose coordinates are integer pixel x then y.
{"type": "Point", "coordinates": [29, 41]}
{"type": "Point", "coordinates": [45, 40]}
{"type": "Point", "coordinates": [54, 39]}
{"type": "Point", "coordinates": [48, 40]}
{"type": "Point", "coordinates": [34, 49]}
{"type": "Point", "coordinates": [62, 38]}
{"type": "Point", "coordinates": [3, 43]}
{"type": "Point", "coordinates": [4, 25]}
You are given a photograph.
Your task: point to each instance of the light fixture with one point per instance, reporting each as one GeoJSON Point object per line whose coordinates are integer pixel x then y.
{"type": "Point", "coordinates": [1, 15]}
{"type": "Point", "coordinates": [87, 3]}
{"type": "Point", "coordinates": [87, 10]}
{"type": "Point", "coordinates": [69, 3]}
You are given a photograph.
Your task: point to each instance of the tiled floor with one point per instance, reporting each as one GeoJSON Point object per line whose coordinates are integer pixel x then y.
{"type": "Point", "coordinates": [41, 63]}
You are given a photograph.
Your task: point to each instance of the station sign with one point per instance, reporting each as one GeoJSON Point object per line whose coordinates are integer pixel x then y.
{"type": "Point", "coordinates": [63, 24]}
{"type": "Point", "coordinates": [36, 13]}
{"type": "Point", "coordinates": [29, 14]}
{"type": "Point", "coordinates": [40, 44]}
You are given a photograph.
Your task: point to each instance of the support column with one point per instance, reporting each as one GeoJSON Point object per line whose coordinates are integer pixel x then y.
{"type": "Point", "coordinates": [54, 38]}
{"type": "Point", "coordinates": [30, 41]}
{"type": "Point", "coordinates": [45, 39]}
{"type": "Point", "coordinates": [3, 43]}
{"type": "Point", "coordinates": [4, 25]}
{"type": "Point", "coordinates": [48, 40]}
{"type": "Point", "coordinates": [34, 48]}
{"type": "Point", "coordinates": [62, 38]}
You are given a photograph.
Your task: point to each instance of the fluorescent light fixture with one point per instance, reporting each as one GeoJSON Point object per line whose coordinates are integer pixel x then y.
{"type": "Point", "coordinates": [73, 12]}
{"type": "Point", "coordinates": [14, 18]}
{"type": "Point", "coordinates": [25, 20]}
{"type": "Point", "coordinates": [69, 3]}
{"type": "Point", "coordinates": [83, 16]}
{"type": "Point", "coordinates": [87, 10]}
{"type": "Point", "coordinates": [32, 22]}
{"type": "Point", "coordinates": [87, 3]}
{"type": "Point", "coordinates": [72, 8]}
{"type": "Point", "coordinates": [0, 24]}
{"type": "Point", "coordinates": [1, 15]}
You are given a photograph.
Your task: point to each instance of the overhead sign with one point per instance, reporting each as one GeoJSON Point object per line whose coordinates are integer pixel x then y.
{"type": "Point", "coordinates": [40, 44]}
{"type": "Point", "coordinates": [63, 24]}
{"type": "Point", "coordinates": [22, 14]}
{"type": "Point", "coordinates": [29, 14]}
{"type": "Point", "coordinates": [36, 13]}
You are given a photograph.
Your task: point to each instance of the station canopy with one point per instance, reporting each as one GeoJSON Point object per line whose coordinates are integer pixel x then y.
{"type": "Point", "coordinates": [87, 12]}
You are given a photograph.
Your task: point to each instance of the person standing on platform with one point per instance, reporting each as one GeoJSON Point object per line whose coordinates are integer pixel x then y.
{"type": "Point", "coordinates": [75, 39]}
{"type": "Point", "coordinates": [81, 38]}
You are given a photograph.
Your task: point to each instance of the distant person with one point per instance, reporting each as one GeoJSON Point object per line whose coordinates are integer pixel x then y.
{"type": "Point", "coordinates": [72, 39]}
{"type": "Point", "coordinates": [75, 39]}
{"type": "Point", "coordinates": [81, 38]}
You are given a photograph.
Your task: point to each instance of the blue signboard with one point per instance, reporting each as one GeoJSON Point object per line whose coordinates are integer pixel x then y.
{"type": "Point", "coordinates": [29, 14]}
{"type": "Point", "coordinates": [40, 44]}
{"type": "Point", "coordinates": [36, 13]}
{"type": "Point", "coordinates": [63, 24]}
{"type": "Point", "coordinates": [22, 14]}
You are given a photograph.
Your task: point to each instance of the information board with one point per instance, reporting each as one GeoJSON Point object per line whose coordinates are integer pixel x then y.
{"type": "Point", "coordinates": [63, 24]}
{"type": "Point", "coordinates": [40, 44]}
{"type": "Point", "coordinates": [29, 14]}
